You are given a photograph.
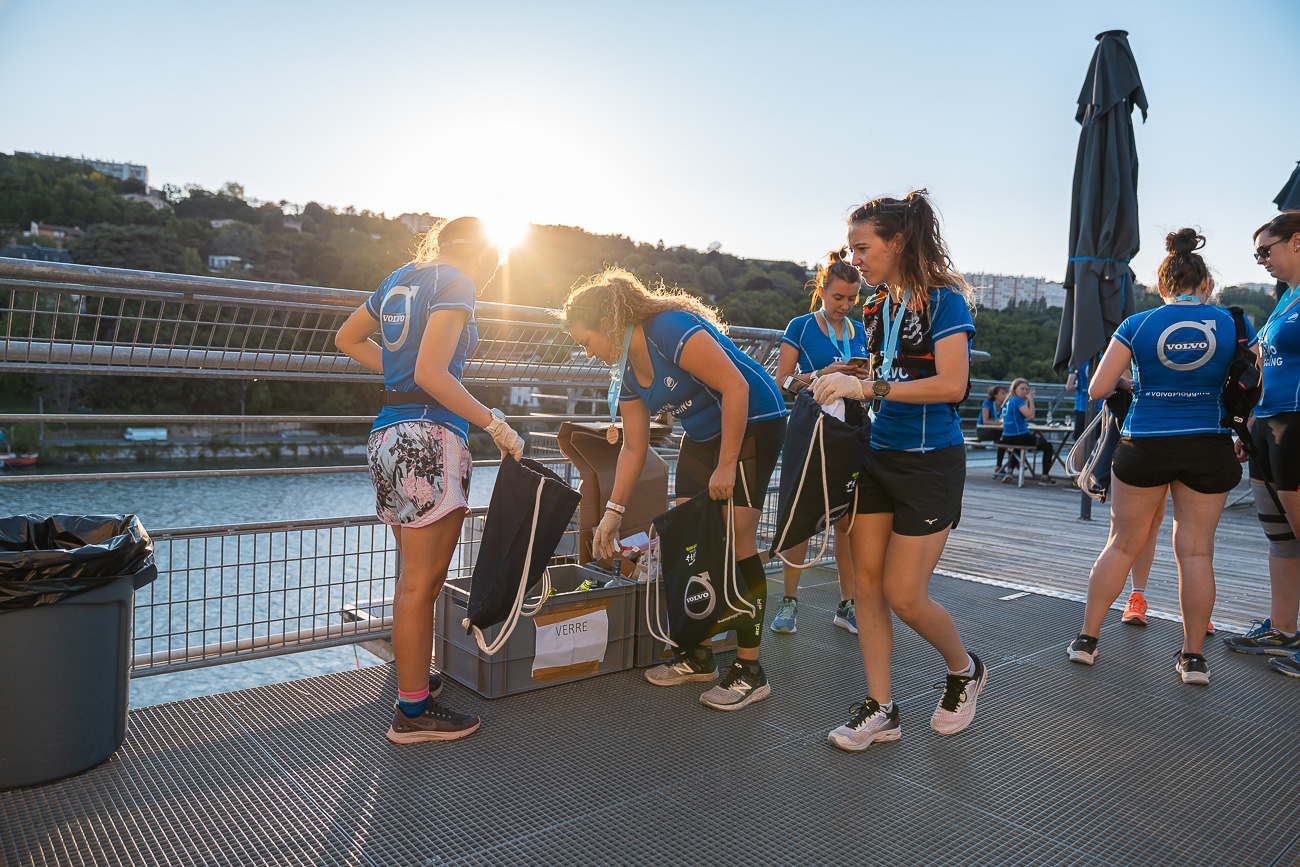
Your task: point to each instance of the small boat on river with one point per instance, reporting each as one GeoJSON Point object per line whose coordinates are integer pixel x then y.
{"type": "Point", "coordinates": [14, 461]}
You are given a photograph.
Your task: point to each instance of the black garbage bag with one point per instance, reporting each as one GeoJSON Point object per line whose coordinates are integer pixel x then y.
{"type": "Point", "coordinates": [703, 590]}
{"type": "Point", "coordinates": [46, 559]}
{"type": "Point", "coordinates": [809, 483]}
{"type": "Point", "coordinates": [527, 518]}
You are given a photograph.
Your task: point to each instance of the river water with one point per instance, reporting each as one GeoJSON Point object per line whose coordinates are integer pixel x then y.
{"type": "Point", "coordinates": [170, 503]}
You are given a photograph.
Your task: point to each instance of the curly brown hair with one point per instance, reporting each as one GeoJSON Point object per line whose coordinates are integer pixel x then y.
{"type": "Point", "coordinates": [615, 296]}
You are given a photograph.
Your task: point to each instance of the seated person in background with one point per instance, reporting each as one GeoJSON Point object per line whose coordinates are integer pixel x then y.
{"type": "Point", "coordinates": [1017, 413]}
{"type": "Point", "coordinates": [989, 426]}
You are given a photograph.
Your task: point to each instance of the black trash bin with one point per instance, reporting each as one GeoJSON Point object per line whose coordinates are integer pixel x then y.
{"type": "Point", "coordinates": [67, 586]}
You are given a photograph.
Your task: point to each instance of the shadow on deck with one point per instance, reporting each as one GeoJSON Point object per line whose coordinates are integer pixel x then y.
{"type": "Point", "coordinates": [1116, 764]}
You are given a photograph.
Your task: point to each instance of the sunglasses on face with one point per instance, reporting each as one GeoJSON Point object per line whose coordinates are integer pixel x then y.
{"type": "Point", "coordinates": [1262, 253]}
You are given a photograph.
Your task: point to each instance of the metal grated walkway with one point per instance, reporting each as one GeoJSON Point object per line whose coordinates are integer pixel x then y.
{"type": "Point", "coordinates": [1117, 764]}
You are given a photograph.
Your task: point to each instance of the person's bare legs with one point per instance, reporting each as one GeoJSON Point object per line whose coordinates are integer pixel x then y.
{"type": "Point", "coordinates": [844, 559]}
{"type": "Point", "coordinates": [426, 553]}
{"type": "Point", "coordinates": [789, 575]}
{"type": "Point", "coordinates": [909, 565]}
{"type": "Point", "coordinates": [1131, 512]}
{"type": "Point", "coordinates": [1147, 556]}
{"type": "Point", "coordinates": [1196, 517]}
{"type": "Point", "coordinates": [868, 539]}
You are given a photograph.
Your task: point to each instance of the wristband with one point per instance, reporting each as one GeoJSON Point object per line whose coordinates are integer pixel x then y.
{"type": "Point", "coordinates": [614, 507]}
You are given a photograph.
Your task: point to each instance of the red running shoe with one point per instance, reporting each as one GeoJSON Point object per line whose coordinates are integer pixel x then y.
{"type": "Point", "coordinates": [1136, 610]}
{"type": "Point", "coordinates": [1209, 630]}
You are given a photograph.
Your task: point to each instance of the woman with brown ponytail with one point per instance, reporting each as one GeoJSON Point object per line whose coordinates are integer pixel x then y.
{"type": "Point", "coordinates": [1173, 444]}
{"type": "Point", "coordinates": [668, 353]}
{"type": "Point", "coordinates": [823, 340]}
{"type": "Point", "coordinates": [919, 330]}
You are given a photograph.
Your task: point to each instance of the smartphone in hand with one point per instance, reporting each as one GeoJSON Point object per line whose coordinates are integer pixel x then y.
{"type": "Point", "coordinates": [793, 385]}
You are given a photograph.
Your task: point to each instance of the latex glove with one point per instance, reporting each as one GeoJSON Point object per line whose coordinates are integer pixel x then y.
{"type": "Point", "coordinates": [604, 543]}
{"type": "Point", "coordinates": [509, 442]}
{"type": "Point", "coordinates": [827, 388]}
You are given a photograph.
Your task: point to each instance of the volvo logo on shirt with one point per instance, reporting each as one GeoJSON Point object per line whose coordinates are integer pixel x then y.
{"type": "Point", "coordinates": [699, 599]}
{"type": "Point", "coordinates": [670, 383]}
{"type": "Point", "coordinates": [395, 317]}
{"type": "Point", "coordinates": [1206, 345]}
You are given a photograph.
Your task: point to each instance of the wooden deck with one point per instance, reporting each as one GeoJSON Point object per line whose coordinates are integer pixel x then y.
{"type": "Point", "coordinates": [1033, 537]}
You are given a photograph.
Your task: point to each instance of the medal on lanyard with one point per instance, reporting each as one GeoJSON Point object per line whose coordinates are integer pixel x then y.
{"type": "Point", "coordinates": [846, 334]}
{"type": "Point", "coordinates": [889, 344]}
{"type": "Point", "coordinates": [616, 386]}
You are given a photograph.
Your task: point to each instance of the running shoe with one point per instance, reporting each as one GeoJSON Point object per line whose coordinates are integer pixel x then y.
{"type": "Point", "coordinates": [738, 688]}
{"type": "Point", "coordinates": [1192, 668]}
{"type": "Point", "coordinates": [1263, 638]}
{"type": "Point", "coordinates": [1209, 628]}
{"type": "Point", "coordinates": [957, 706]}
{"type": "Point", "coordinates": [1288, 665]}
{"type": "Point", "coordinates": [784, 621]}
{"type": "Point", "coordinates": [683, 668]}
{"type": "Point", "coordinates": [868, 724]}
{"type": "Point", "coordinates": [437, 723]}
{"type": "Point", "coordinates": [1047, 481]}
{"type": "Point", "coordinates": [846, 617]}
{"type": "Point", "coordinates": [1000, 471]}
{"type": "Point", "coordinates": [1135, 611]}
{"type": "Point", "coordinates": [1083, 649]}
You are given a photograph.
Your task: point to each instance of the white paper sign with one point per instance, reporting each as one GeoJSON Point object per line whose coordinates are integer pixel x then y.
{"type": "Point", "coordinates": [567, 642]}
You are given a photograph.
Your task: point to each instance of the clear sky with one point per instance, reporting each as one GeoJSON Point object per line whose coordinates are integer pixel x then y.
{"type": "Point", "coordinates": [758, 125]}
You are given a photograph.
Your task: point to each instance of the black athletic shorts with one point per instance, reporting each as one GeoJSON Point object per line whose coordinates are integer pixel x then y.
{"type": "Point", "coordinates": [759, 452]}
{"type": "Point", "coordinates": [923, 490]}
{"type": "Point", "coordinates": [1277, 449]}
{"type": "Point", "coordinates": [1205, 463]}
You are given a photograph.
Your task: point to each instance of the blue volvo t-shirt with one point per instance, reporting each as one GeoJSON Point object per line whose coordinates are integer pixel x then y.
{"type": "Point", "coordinates": [1082, 377]}
{"type": "Point", "coordinates": [921, 427]}
{"type": "Point", "coordinates": [674, 390]}
{"type": "Point", "coordinates": [1014, 422]}
{"type": "Point", "coordinates": [402, 304]}
{"type": "Point", "coordinates": [1279, 343]}
{"type": "Point", "coordinates": [1181, 355]}
{"type": "Point", "coordinates": [816, 348]}
{"type": "Point", "coordinates": [992, 406]}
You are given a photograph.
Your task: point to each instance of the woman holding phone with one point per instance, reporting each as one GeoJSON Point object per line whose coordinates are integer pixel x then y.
{"type": "Point", "coordinates": [825, 340]}
{"type": "Point", "coordinates": [668, 353]}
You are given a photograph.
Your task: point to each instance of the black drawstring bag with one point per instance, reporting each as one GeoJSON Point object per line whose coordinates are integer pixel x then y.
{"type": "Point", "coordinates": [696, 568]}
{"type": "Point", "coordinates": [820, 462]}
{"type": "Point", "coordinates": [527, 518]}
{"type": "Point", "coordinates": [46, 559]}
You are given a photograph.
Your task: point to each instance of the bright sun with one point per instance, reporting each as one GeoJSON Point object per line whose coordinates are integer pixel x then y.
{"type": "Point", "coordinates": [507, 232]}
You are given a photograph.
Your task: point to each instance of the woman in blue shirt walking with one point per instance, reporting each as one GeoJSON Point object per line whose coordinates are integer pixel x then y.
{"type": "Point", "coordinates": [823, 341]}
{"type": "Point", "coordinates": [919, 330]}
{"type": "Point", "coordinates": [1173, 444]}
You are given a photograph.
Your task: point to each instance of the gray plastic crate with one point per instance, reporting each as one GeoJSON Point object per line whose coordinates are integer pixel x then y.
{"type": "Point", "coordinates": [510, 670]}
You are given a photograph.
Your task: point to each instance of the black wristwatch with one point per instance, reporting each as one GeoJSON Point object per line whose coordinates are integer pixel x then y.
{"type": "Point", "coordinates": [880, 388]}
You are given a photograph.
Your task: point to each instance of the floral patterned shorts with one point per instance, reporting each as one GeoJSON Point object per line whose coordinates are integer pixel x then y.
{"type": "Point", "coordinates": [420, 471]}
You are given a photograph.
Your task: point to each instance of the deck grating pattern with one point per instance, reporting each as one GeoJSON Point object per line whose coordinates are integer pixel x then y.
{"type": "Point", "coordinates": [1115, 764]}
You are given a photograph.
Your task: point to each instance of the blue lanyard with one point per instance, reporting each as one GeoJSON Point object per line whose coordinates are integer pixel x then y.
{"type": "Point", "coordinates": [846, 334]}
{"type": "Point", "coordinates": [616, 380]}
{"type": "Point", "coordinates": [889, 345]}
{"type": "Point", "coordinates": [1288, 298]}
{"type": "Point", "coordinates": [1191, 298]}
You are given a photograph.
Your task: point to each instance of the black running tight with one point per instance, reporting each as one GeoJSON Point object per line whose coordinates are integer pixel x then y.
{"type": "Point", "coordinates": [1033, 438]}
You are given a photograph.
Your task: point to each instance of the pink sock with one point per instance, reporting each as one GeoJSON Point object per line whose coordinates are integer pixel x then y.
{"type": "Point", "coordinates": [413, 697]}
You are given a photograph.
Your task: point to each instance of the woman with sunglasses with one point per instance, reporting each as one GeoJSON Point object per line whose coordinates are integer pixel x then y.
{"type": "Point", "coordinates": [668, 353]}
{"type": "Point", "coordinates": [823, 341]}
{"type": "Point", "coordinates": [919, 330]}
{"type": "Point", "coordinates": [1173, 445]}
{"type": "Point", "coordinates": [418, 448]}
{"type": "Point", "coordinates": [1275, 430]}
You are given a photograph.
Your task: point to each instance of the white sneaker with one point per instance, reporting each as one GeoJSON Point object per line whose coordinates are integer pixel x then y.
{"type": "Point", "coordinates": [868, 724]}
{"type": "Point", "coordinates": [957, 707]}
{"type": "Point", "coordinates": [683, 668]}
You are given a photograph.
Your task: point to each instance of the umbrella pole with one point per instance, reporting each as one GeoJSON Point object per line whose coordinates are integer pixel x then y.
{"type": "Point", "coordinates": [1090, 412]}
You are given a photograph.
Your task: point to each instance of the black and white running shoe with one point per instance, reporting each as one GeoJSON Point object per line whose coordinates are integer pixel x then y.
{"type": "Point", "coordinates": [1083, 649]}
{"type": "Point", "coordinates": [868, 724]}
{"type": "Point", "coordinates": [739, 687]}
{"type": "Point", "coordinates": [1192, 668]}
{"type": "Point", "coordinates": [957, 707]}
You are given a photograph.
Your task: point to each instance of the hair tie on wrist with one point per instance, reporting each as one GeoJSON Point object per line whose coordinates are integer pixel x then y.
{"type": "Point", "coordinates": [614, 507]}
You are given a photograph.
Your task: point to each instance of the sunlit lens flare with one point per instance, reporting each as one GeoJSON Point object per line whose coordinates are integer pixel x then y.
{"type": "Point", "coordinates": [507, 232]}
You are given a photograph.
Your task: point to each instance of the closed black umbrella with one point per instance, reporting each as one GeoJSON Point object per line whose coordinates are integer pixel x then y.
{"type": "Point", "coordinates": [1289, 198]}
{"type": "Point", "coordinates": [1103, 209]}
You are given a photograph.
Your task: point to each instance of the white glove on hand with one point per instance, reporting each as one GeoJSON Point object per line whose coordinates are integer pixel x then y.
{"type": "Point", "coordinates": [509, 442]}
{"type": "Point", "coordinates": [604, 543]}
{"type": "Point", "coordinates": [827, 388]}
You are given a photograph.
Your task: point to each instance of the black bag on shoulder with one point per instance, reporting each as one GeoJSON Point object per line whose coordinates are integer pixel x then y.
{"type": "Point", "coordinates": [820, 462]}
{"type": "Point", "coordinates": [1243, 387]}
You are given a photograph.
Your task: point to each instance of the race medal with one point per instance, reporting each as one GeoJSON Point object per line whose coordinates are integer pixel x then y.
{"type": "Point", "coordinates": [611, 435]}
